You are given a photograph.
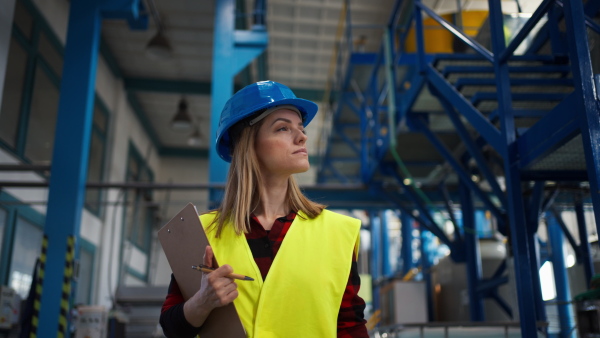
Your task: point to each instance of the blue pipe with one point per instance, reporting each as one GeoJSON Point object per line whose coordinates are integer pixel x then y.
{"type": "Point", "coordinates": [563, 294]}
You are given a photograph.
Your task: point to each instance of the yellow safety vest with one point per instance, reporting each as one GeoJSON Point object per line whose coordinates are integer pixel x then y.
{"type": "Point", "coordinates": [302, 294]}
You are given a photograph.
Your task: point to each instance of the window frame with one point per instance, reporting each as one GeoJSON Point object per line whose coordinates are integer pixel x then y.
{"type": "Point", "coordinates": [15, 209]}
{"type": "Point", "coordinates": [135, 155]}
{"type": "Point", "coordinates": [35, 59]}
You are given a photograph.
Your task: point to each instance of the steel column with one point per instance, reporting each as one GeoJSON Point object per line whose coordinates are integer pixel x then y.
{"type": "Point", "coordinates": [232, 51]}
{"type": "Point", "coordinates": [533, 217]}
{"type": "Point", "coordinates": [587, 105]}
{"type": "Point", "coordinates": [407, 240]}
{"type": "Point", "coordinates": [473, 257]}
{"type": "Point", "coordinates": [72, 143]}
{"type": "Point", "coordinates": [584, 244]}
{"type": "Point", "coordinates": [563, 294]}
{"type": "Point", "coordinates": [516, 212]}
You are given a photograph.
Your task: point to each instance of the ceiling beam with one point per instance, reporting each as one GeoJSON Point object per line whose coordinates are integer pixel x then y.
{"type": "Point", "coordinates": [198, 87]}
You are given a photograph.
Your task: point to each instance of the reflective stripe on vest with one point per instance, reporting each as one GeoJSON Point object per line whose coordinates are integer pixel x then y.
{"type": "Point", "coordinates": [303, 291]}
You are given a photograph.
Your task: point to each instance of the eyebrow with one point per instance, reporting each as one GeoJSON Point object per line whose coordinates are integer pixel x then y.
{"type": "Point", "coordinates": [285, 120]}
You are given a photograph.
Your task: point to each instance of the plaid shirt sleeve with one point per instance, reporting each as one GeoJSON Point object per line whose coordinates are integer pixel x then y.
{"type": "Point", "coordinates": [351, 322]}
{"type": "Point", "coordinates": [172, 319]}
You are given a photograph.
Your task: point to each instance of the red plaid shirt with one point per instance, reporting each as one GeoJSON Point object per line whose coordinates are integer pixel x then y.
{"type": "Point", "coordinates": [264, 246]}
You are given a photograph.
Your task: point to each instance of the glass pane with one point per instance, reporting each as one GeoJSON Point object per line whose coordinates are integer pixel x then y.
{"type": "Point", "coordinates": [133, 169]}
{"type": "Point", "coordinates": [23, 19]}
{"type": "Point", "coordinates": [95, 171]}
{"type": "Point", "coordinates": [42, 119]}
{"type": "Point", "coordinates": [100, 118]}
{"type": "Point", "coordinates": [50, 54]}
{"type": "Point", "coordinates": [84, 283]}
{"type": "Point", "coordinates": [27, 244]}
{"type": "Point", "coordinates": [13, 93]}
{"type": "Point", "coordinates": [3, 215]}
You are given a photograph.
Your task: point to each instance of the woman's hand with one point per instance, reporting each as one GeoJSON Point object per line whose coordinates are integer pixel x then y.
{"type": "Point", "coordinates": [215, 291]}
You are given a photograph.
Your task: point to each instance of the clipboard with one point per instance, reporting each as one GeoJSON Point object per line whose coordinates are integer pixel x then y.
{"type": "Point", "coordinates": [183, 240]}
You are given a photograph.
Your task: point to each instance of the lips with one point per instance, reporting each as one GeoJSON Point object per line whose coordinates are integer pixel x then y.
{"type": "Point", "coordinates": [300, 151]}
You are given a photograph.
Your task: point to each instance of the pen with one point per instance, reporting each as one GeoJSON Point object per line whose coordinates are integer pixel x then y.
{"type": "Point", "coordinates": [207, 269]}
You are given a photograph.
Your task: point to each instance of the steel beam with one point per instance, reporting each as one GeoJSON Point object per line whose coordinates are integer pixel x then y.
{"type": "Point", "coordinates": [72, 143]}
{"type": "Point", "coordinates": [516, 212]}
{"type": "Point", "coordinates": [460, 171]}
{"type": "Point", "coordinates": [525, 30]}
{"type": "Point", "coordinates": [579, 54]}
{"type": "Point", "coordinates": [473, 149]}
{"type": "Point", "coordinates": [535, 205]}
{"type": "Point", "coordinates": [584, 244]}
{"type": "Point", "coordinates": [486, 129]}
{"type": "Point", "coordinates": [563, 293]}
{"type": "Point", "coordinates": [558, 218]}
{"type": "Point", "coordinates": [473, 257]}
{"type": "Point", "coordinates": [231, 47]}
{"type": "Point", "coordinates": [469, 41]}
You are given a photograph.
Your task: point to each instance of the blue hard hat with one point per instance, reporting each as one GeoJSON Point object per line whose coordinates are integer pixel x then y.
{"type": "Point", "coordinates": [252, 99]}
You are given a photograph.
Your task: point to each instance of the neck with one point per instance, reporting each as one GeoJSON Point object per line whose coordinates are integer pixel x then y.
{"type": "Point", "coordinates": [273, 202]}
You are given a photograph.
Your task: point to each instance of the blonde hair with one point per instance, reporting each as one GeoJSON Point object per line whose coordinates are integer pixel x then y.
{"type": "Point", "coordinates": [241, 190]}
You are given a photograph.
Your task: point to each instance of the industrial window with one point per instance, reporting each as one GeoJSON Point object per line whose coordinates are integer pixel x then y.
{"type": "Point", "coordinates": [86, 273]}
{"type": "Point", "coordinates": [26, 249]}
{"type": "Point", "coordinates": [30, 100]}
{"type": "Point", "coordinates": [139, 211]}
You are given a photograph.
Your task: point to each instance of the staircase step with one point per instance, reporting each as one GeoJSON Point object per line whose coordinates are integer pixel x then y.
{"type": "Point", "coordinates": [492, 96]}
{"type": "Point", "coordinates": [545, 69]}
{"type": "Point", "coordinates": [466, 81]}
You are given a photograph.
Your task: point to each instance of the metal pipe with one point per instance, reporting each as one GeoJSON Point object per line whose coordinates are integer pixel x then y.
{"type": "Point", "coordinates": [24, 167]}
{"type": "Point", "coordinates": [563, 293]}
{"type": "Point", "coordinates": [179, 186]}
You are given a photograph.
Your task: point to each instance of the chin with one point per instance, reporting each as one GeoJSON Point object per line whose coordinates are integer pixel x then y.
{"type": "Point", "coordinates": [302, 168]}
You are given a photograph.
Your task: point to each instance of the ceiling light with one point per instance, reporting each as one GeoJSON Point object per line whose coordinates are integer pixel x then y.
{"type": "Point", "coordinates": [182, 119]}
{"type": "Point", "coordinates": [195, 139]}
{"type": "Point", "coordinates": [159, 47]}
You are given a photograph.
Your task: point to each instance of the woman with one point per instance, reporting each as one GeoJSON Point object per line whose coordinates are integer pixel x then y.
{"type": "Point", "coordinates": [310, 290]}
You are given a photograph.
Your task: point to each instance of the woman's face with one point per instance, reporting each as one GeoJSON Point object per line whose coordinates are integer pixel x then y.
{"type": "Point", "coordinates": [280, 144]}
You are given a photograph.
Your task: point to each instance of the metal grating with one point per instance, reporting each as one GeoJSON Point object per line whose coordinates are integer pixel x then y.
{"type": "Point", "coordinates": [568, 157]}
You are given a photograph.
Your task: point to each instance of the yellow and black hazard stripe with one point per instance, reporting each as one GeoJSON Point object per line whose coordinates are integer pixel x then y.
{"type": "Point", "coordinates": [66, 288]}
{"type": "Point", "coordinates": [35, 316]}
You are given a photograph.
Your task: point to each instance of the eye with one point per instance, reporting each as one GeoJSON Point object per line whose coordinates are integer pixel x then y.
{"type": "Point", "coordinates": [283, 129]}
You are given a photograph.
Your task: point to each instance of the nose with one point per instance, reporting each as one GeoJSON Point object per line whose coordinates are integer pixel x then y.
{"type": "Point", "coordinates": [301, 138]}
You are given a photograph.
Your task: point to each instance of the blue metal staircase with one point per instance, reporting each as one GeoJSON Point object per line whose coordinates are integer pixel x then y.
{"type": "Point", "coordinates": [409, 125]}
